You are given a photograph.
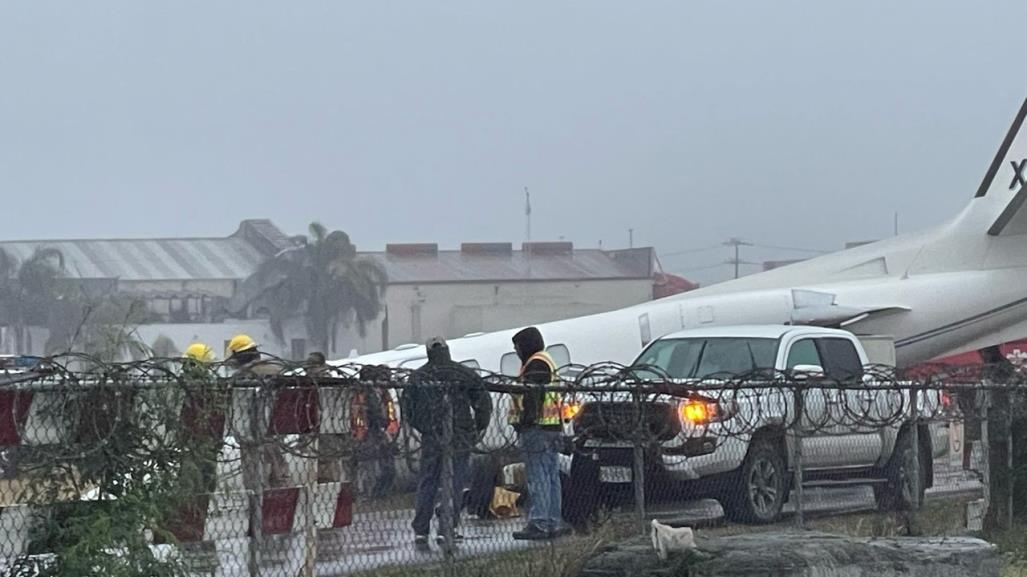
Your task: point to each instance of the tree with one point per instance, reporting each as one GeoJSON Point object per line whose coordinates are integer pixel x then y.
{"type": "Point", "coordinates": [324, 281]}
{"type": "Point", "coordinates": [29, 290]}
{"type": "Point", "coordinates": [101, 326]}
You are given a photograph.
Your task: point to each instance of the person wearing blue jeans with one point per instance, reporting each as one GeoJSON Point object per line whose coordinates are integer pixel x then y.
{"type": "Point", "coordinates": [428, 481]}
{"type": "Point", "coordinates": [539, 449]}
{"type": "Point", "coordinates": [535, 414]}
{"type": "Point", "coordinates": [443, 387]}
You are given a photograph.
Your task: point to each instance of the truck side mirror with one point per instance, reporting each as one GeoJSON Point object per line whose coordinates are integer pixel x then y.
{"type": "Point", "coordinates": [807, 370]}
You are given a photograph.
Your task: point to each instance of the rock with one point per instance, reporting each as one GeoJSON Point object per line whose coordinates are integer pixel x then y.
{"type": "Point", "coordinates": [803, 554]}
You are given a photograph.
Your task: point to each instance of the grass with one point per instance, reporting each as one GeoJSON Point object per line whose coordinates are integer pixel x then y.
{"type": "Point", "coordinates": [1012, 543]}
{"type": "Point", "coordinates": [564, 558]}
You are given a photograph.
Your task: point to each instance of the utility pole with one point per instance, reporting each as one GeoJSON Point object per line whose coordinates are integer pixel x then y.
{"type": "Point", "coordinates": [631, 238]}
{"type": "Point", "coordinates": [896, 223]}
{"type": "Point", "coordinates": [736, 243]}
{"type": "Point", "coordinates": [527, 215]}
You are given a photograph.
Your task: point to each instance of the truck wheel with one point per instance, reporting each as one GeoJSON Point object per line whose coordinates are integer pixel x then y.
{"type": "Point", "coordinates": [897, 493]}
{"type": "Point", "coordinates": [758, 492]}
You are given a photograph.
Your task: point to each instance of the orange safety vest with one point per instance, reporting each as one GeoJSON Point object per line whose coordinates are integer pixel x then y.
{"type": "Point", "coordinates": [551, 401]}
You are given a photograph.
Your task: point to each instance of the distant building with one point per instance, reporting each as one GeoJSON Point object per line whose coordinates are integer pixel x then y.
{"type": "Point", "coordinates": [189, 282]}
{"type": "Point", "coordinates": [490, 286]}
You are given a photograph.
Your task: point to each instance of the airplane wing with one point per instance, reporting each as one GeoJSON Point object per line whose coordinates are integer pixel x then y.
{"type": "Point", "coordinates": [822, 309]}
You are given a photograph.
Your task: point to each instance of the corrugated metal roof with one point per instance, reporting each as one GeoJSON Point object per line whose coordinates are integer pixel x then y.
{"type": "Point", "coordinates": [456, 266]}
{"type": "Point", "coordinates": [146, 260]}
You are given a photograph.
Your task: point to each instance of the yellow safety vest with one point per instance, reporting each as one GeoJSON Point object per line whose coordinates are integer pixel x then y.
{"type": "Point", "coordinates": [551, 401]}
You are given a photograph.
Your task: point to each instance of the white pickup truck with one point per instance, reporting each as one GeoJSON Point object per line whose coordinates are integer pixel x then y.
{"type": "Point", "coordinates": [735, 445]}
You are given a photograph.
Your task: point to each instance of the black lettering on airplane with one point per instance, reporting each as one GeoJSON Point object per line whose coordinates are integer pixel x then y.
{"type": "Point", "coordinates": [1019, 174]}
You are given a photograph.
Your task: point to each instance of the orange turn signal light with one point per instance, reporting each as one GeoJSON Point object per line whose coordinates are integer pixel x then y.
{"type": "Point", "coordinates": [569, 410]}
{"type": "Point", "coordinates": [698, 412]}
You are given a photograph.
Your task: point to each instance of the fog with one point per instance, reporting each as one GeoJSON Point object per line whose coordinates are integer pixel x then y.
{"type": "Point", "coordinates": [788, 124]}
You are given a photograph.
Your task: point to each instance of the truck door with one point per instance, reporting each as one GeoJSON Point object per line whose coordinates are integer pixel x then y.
{"type": "Point", "coordinates": [816, 417]}
{"type": "Point", "coordinates": [862, 442]}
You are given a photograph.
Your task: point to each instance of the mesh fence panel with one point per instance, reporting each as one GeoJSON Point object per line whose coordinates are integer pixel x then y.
{"type": "Point", "coordinates": [167, 468]}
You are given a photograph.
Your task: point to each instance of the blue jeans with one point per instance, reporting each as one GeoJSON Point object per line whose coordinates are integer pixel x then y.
{"type": "Point", "coordinates": [539, 449]}
{"type": "Point", "coordinates": [428, 479]}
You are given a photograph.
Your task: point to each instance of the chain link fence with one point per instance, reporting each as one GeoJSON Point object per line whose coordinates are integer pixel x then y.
{"type": "Point", "coordinates": [162, 467]}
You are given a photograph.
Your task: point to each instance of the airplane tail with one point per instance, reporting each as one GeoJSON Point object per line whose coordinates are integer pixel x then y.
{"type": "Point", "coordinates": [998, 206]}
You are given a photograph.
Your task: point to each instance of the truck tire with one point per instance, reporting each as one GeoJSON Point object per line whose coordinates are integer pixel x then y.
{"type": "Point", "coordinates": [897, 493]}
{"type": "Point", "coordinates": [758, 491]}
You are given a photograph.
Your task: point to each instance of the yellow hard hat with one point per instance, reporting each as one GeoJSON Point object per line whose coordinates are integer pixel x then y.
{"type": "Point", "coordinates": [200, 352]}
{"type": "Point", "coordinates": [240, 343]}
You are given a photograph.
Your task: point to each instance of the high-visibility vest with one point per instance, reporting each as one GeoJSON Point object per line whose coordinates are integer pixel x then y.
{"type": "Point", "coordinates": [551, 401]}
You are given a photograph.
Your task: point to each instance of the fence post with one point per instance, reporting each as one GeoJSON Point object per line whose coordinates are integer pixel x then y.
{"type": "Point", "coordinates": [1011, 476]}
{"type": "Point", "coordinates": [799, 408]}
{"type": "Point", "coordinates": [258, 430]}
{"type": "Point", "coordinates": [638, 464]}
{"type": "Point", "coordinates": [915, 484]}
{"type": "Point", "coordinates": [310, 490]}
{"type": "Point", "coordinates": [985, 450]}
{"type": "Point", "coordinates": [448, 505]}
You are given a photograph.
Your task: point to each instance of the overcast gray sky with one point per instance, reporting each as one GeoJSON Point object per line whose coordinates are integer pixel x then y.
{"type": "Point", "coordinates": [789, 123]}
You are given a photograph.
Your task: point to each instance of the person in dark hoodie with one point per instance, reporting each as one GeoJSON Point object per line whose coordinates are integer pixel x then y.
{"type": "Point", "coordinates": [423, 404]}
{"type": "Point", "coordinates": [536, 417]}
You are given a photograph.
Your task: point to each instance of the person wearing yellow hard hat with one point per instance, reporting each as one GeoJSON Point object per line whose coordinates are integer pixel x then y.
{"type": "Point", "coordinates": [245, 357]}
{"type": "Point", "coordinates": [200, 353]}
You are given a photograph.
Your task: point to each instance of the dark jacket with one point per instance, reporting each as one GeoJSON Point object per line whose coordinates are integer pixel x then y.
{"type": "Point", "coordinates": [529, 341]}
{"type": "Point", "coordinates": [469, 401]}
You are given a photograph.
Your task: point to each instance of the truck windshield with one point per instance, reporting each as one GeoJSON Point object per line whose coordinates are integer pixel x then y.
{"type": "Point", "coordinates": [703, 357]}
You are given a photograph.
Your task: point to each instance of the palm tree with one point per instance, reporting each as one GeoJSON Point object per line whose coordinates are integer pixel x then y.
{"type": "Point", "coordinates": [29, 290]}
{"type": "Point", "coordinates": [324, 281]}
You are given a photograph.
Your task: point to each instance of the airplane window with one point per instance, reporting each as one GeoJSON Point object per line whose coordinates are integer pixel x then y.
{"type": "Point", "coordinates": [644, 329]}
{"type": "Point", "coordinates": [841, 361]}
{"type": "Point", "coordinates": [510, 365]}
{"type": "Point", "coordinates": [561, 356]}
{"type": "Point", "coordinates": [803, 352]}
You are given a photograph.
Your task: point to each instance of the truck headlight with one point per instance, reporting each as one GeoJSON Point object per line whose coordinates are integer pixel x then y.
{"type": "Point", "coordinates": [701, 411]}
{"type": "Point", "coordinates": [569, 410]}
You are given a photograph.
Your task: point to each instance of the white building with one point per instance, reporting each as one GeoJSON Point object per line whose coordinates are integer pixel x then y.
{"type": "Point", "coordinates": [489, 286]}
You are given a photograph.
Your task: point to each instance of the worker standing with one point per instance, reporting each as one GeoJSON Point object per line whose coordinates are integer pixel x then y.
{"type": "Point", "coordinates": [246, 359]}
{"type": "Point", "coordinates": [470, 407]}
{"type": "Point", "coordinates": [535, 416]}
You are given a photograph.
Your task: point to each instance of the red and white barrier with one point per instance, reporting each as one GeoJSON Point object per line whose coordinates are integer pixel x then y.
{"type": "Point", "coordinates": [35, 418]}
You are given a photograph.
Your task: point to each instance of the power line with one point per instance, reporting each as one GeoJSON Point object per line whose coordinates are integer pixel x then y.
{"type": "Point", "coordinates": [699, 268]}
{"type": "Point", "coordinates": [692, 250]}
{"type": "Point", "coordinates": [793, 248]}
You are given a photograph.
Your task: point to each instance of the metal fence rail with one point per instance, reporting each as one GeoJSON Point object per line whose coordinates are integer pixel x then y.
{"type": "Point", "coordinates": [161, 467]}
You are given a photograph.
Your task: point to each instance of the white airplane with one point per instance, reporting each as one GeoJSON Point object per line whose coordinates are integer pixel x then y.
{"type": "Point", "coordinates": [959, 286]}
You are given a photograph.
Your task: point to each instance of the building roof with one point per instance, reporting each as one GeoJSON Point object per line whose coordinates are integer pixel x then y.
{"type": "Point", "coordinates": [233, 257]}
{"type": "Point", "coordinates": [236, 257]}
{"type": "Point", "coordinates": [535, 262]}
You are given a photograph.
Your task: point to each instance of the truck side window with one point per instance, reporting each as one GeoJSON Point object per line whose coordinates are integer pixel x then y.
{"type": "Point", "coordinates": [841, 361]}
{"type": "Point", "coordinates": [803, 352]}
